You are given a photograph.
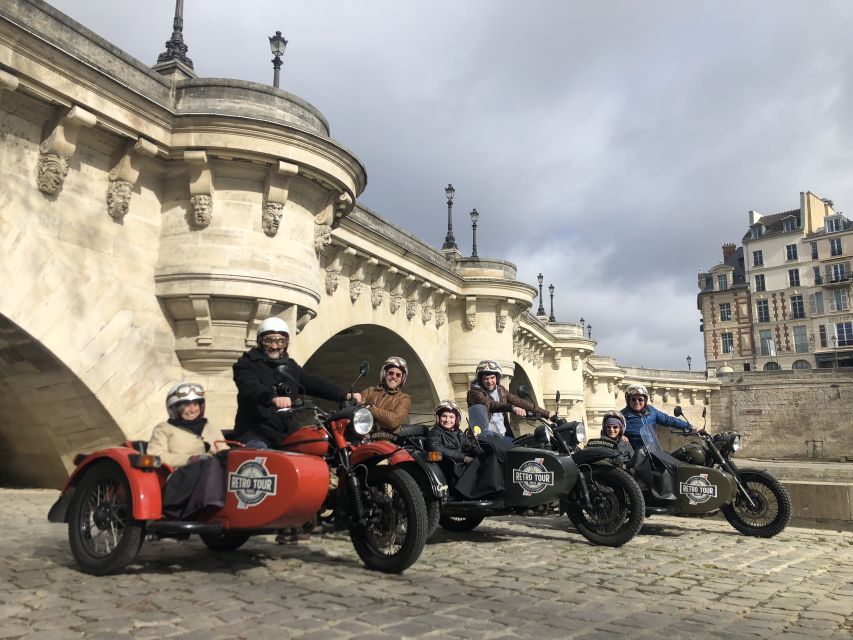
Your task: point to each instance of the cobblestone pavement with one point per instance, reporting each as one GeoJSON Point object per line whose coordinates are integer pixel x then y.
{"type": "Point", "coordinates": [510, 578]}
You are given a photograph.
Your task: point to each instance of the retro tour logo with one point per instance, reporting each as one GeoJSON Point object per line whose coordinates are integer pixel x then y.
{"type": "Point", "coordinates": [252, 483]}
{"type": "Point", "coordinates": [698, 489]}
{"type": "Point", "coordinates": [533, 477]}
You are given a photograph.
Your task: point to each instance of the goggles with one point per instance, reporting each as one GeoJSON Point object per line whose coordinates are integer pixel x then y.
{"type": "Point", "coordinates": [270, 341]}
{"type": "Point", "coordinates": [185, 390]}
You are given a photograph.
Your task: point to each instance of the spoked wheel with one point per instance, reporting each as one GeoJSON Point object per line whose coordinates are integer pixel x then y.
{"type": "Point", "coordinates": [772, 510]}
{"type": "Point", "coordinates": [617, 512]}
{"type": "Point", "coordinates": [460, 523]}
{"type": "Point", "coordinates": [103, 535]}
{"type": "Point", "coordinates": [224, 541]}
{"type": "Point", "coordinates": [396, 529]}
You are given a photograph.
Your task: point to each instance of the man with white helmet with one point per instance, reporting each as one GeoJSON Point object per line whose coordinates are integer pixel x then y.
{"type": "Point", "coordinates": [641, 419]}
{"type": "Point", "coordinates": [492, 403]}
{"type": "Point", "coordinates": [387, 401]}
{"type": "Point", "coordinates": [257, 423]}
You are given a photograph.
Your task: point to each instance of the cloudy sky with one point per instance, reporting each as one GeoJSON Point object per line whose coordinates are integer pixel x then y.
{"type": "Point", "coordinates": [612, 145]}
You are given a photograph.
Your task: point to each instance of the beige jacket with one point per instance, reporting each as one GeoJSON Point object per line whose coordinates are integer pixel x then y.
{"type": "Point", "coordinates": [176, 446]}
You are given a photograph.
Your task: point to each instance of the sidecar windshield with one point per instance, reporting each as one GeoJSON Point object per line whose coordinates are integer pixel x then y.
{"type": "Point", "coordinates": [650, 438]}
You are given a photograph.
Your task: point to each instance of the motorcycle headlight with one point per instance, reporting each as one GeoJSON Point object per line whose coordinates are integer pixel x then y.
{"type": "Point", "coordinates": [580, 432]}
{"type": "Point", "coordinates": [362, 421]}
{"type": "Point", "coordinates": [736, 443]}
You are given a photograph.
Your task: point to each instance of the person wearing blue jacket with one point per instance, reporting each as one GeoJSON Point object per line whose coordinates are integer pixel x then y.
{"type": "Point", "coordinates": [641, 418]}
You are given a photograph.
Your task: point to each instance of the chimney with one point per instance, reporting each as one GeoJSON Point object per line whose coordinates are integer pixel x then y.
{"type": "Point", "coordinates": [728, 250]}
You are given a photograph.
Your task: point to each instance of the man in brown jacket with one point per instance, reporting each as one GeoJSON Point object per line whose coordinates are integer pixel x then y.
{"type": "Point", "coordinates": [491, 403]}
{"type": "Point", "coordinates": [387, 401]}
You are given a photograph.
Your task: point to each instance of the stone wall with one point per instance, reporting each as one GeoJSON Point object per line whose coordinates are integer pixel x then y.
{"type": "Point", "coordinates": [788, 414]}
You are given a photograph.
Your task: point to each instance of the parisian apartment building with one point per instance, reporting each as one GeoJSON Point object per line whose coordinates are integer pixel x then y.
{"type": "Point", "coordinates": [781, 300]}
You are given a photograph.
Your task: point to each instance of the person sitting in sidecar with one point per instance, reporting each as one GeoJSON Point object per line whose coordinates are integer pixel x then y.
{"type": "Point", "coordinates": [473, 470]}
{"type": "Point", "coordinates": [641, 419]}
{"type": "Point", "coordinates": [387, 402]}
{"type": "Point", "coordinates": [259, 422]}
{"type": "Point", "coordinates": [613, 428]}
{"type": "Point", "coordinates": [186, 442]}
{"type": "Point", "coordinates": [490, 403]}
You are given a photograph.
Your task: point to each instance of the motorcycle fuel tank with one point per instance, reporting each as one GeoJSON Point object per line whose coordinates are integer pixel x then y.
{"type": "Point", "coordinates": [535, 476]}
{"type": "Point", "coordinates": [703, 489]}
{"type": "Point", "coordinates": [268, 489]}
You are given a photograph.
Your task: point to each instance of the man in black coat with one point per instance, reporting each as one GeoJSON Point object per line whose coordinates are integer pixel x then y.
{"type": "Point", "coordinates": [258, 423]}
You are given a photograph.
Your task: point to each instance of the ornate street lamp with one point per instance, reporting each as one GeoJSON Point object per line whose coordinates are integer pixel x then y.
{"type": "Point", "coordinates": [176, 49]}
{"type": "Point", "coordinates": [581, 323]}
{"type": "Point", "coordinates": [589, 331]}
{"type": "Point", "coordinates": [551, 318]}
{"type": "Point", "coordinates": [449, 241]}
{"type": "Point", "coordinates": [474, 217]}
{"type": "Point", "coordinates": [277, 46]}
{"type": "Point", "coordinates": [541, 310]}
{"type": "Point", "coordinates": [689, 362]}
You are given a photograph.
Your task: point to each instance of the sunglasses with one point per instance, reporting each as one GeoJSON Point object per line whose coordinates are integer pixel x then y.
{"type": "Point", "coordinates": [186, 389]}
{"type": "Point", "coordinates": [612, 427]}
{"type": "Point", "coordinates": [269, 342]}
{"type": "Point", "coordinates": [393, 374]}
{"type": "Point", "coordinates": [638, 399]}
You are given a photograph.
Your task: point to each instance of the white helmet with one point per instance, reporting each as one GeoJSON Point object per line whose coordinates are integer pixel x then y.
{"type": "Point", "coordinates": [273, 325]}
{"type": "Point", "coordinates": [448, 405]}
{"type": "Point", "coordinates": [488, 367]}
{"type": "Point", "coordinates": [635, 390]}
{"type": "Point", "coordinates": [184, 392]}
{"type": "Point", "coordinates": [399, 363]}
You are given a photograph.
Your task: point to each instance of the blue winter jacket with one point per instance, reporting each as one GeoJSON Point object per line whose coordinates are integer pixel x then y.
{"type": "Point", "coordinates": [640, 427]}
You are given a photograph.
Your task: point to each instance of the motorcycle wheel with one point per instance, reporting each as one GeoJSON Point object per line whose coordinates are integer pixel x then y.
{"type": "Point", "coordinates": [433, 516]}
{"type": "Point", "coordinates": [460, 523]}
{"type": "Point", "coordinates": [617, 515]}
{"type": "Point", "coordinates": [102, 533]}
{"type": "Point", "coordinates": [224, 541]}
{"type": "Point", "coordinates": [396, 528]}
{"type": "Point", "coordinates": [772, 510]}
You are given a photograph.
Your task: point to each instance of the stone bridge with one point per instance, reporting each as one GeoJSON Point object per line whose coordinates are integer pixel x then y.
{"type": "Point", "coordinates": [149, 220]}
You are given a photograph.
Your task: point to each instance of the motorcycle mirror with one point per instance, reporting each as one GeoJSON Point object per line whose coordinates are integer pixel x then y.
{"type": "Point", "coordinates": [523, 391]}
{"type": "Point", "coordinates": [677, 411]}
{"type": "Point", "coordinates": [704, 411]}
{"type": "Point", "coordinates": [557, 398]}
{"type": "Point", "coordinates": [363, 368]}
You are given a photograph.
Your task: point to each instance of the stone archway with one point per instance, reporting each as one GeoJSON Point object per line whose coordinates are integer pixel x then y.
{"type": "Point", "coordinates": [47, 414]}
{"type": "Point", "coordinates": [339, 357]}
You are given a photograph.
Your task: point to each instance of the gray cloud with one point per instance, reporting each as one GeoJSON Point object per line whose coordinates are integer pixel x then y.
{"type": "Point", "coordinates": [614, 146]}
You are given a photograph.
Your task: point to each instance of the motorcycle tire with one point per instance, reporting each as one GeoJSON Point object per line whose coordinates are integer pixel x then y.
{"type": "Point", "coordinates": [224, 541]}
{"type": "Point", "coordinates": [618, 515]}
{"type": "Point", "coordinates": [460, 523]}
{"type": "Point", "coordinates": [396, 529]}
{"type": "Point", "coordinates": [772, 510]}
{"type": "Point", "coordinates": [433, 516]}
{"type": "Point", "coordinates": [102, 533]}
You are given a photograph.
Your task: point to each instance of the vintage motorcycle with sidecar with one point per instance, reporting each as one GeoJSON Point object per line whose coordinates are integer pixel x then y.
{"type": "Point", "coordinates": [700, 477]}
{"type": "Point", "coordinates": [602, 501]}
{"type": "Point", "coordinates": [113, 499]}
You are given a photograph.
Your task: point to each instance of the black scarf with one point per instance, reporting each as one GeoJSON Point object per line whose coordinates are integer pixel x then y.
{"type": "Point", "coordinates": [193, 426]}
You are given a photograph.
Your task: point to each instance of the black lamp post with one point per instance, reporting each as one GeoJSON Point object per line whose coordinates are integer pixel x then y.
{"type": "Point", "coordinates": [541, 310]}
{"type": "Point", "coordinates": [277, 46]}
{"type": "Point", "coordinates": [449, 241]}
{"type": "Point", "coordinates": [582, 321]}
{"type": "Point", "coordinates": [474, 217]}
{"type": "Point", "coordinates": [689, 362]}
{"type": "Point", "coordinates": [589, 331]}
{"type": "Point", "coordinates": [551, 318]}
{"type": "Point", "coordinates": [176, 49]}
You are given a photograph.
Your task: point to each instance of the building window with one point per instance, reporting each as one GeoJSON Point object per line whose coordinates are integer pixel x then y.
{"type": "Point", "coordinates": [816, 303]}
{"type": "Point", "coordinates": [801, 340]}
{"type": "Point", "coordinates": [818, 279]}
{"type": "Point", "coordinates": [788, 225]}
{"type": "Point", "coordinates": [709, 283]}
{"type": "Point", "coordinates": [772, 366]}
{"type": "Point", "coordinates": [822, 331]}
{"type": "Point", "coordinates": [801, 364]}
{"type": "Point", "coordinates": [725, 312]}
{"type": "Point", "coordinates": [757, 258]}
{"type": "Point", "coordinates": [759, 282]}
{"type": "Point", "coordinates": [757, 231]}
{"type": "Point", "coordinates": [762, 308]}
{"type": "Point", "coordinates": [746, 366]}
{"type": "Point", "coordinates": [766, 341]}
{"type": "Point", "coordinates": [814, 250]}
{"type": "Point", "coordinates": [844, 331]}
{"type": "Point", "coordinates": [835, 247]}
{"type": "Point", "coordinates": [722, 282]}
{"type": "Point", "coordinates": [833, 224]}
{"type": "Point", "coordinates": [797, 308]}
{"type": "Point", "coordinates": [838, 300]}
{"type": "Point", "coordinates": [838, 272]}
{"type": "Point", "coordinates": [728, 342]}
{"type": "Point", "coordinates": [793, 277]}
{"type": "Point", "coordinates": [790, 252]}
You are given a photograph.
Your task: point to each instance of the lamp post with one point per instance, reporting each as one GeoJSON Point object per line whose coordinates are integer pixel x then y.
{"type": "Point", "coordinates": [449, 241]}
{"type": "Point", "coordinates": [689, 362]}
{"type": "Point", "coordinates": [176, 49]}
{"type": "Point", "coordinates": [277, 46]}
{"type": "Point", "coordinates": [551, 318]}
{"type": "Point", "coordinates": [589, 331]}
{"type": "Point", "coordinates": [474, 217]}
{"type": "Point", "coordinates": [541, 310]}
{"type": "Point", "coordinates": [835, 348]}
{"type": "Point", "coordinates": [582, 321]}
